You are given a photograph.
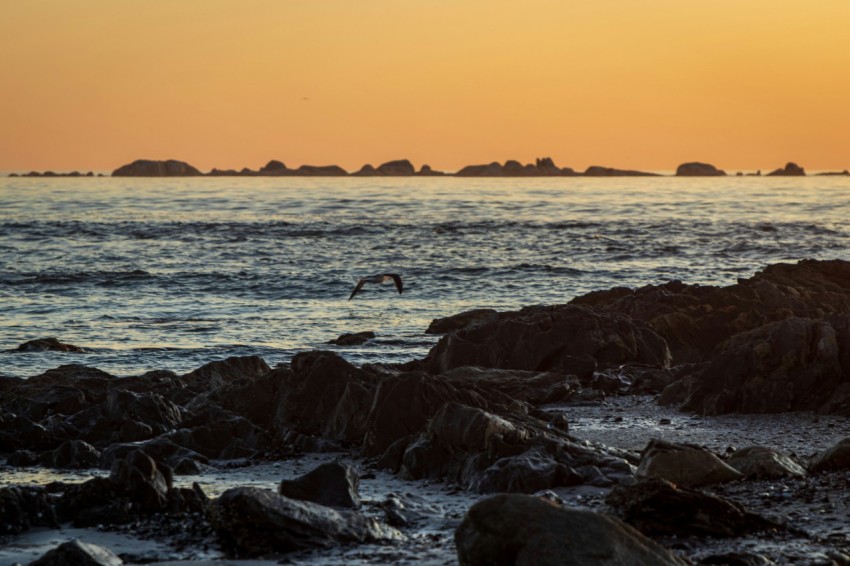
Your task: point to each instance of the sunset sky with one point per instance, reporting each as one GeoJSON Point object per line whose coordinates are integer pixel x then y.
{"type": "Point", "coordinates": [743, 84]}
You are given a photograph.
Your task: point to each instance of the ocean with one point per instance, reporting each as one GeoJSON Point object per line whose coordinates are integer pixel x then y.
{"type": "Point", "coordinates": [172, 273]}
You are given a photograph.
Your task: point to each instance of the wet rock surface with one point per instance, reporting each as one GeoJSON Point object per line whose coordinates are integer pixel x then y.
{"type": "Point", "coordinates": [257, 523]}
{"type": "Point", "coordinates": [526, 530]}
{"type": "Point", "coordinates": [579, 403]}
{"type": "Point", "coordinates": [79, 553]}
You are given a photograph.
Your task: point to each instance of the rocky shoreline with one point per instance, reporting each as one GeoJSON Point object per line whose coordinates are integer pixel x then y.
{"type": "Point", "coordinates": [669, 424]}
{"type": "Point", "coordinates": [542, 167]}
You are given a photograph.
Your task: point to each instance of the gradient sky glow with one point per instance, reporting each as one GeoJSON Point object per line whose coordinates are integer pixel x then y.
{"type": "Point", "coordinates": [743, 84]}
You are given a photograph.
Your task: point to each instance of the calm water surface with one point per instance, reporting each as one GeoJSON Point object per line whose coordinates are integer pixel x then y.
{"type": "Point", "coordinates": [173, 273]}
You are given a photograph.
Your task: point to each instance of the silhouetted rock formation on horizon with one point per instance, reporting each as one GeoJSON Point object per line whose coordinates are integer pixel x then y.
{"type": "Point", "coordinates": [697, 169]}
{"type": "Point", "coordinates": [543, 167]}
{"type": "Point", "coordinates": [274, 167]}
{"type": "Point", "coordinates": [151, 168]}
{"type": "Point", "coordinates": [598, 171]}
{"type": "Point", "coordinates": [791, 169]}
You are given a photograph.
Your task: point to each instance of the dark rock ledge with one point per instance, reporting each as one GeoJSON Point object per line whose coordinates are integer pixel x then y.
{"type": "Point", "coordinates": [476, 413]}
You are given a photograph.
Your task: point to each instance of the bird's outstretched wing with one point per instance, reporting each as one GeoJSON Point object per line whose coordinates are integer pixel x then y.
{"type": "Point", "coordinates": [357, 288]}
{"type": "Point", "coordinates": [397, 279]}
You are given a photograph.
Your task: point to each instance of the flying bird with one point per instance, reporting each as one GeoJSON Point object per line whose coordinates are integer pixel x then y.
{"type": "Point", "coordinates": [381, 278]}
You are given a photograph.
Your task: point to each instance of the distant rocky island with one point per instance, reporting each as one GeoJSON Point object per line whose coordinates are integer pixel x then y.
{"type": "Point", "coordinates": [542, 167]}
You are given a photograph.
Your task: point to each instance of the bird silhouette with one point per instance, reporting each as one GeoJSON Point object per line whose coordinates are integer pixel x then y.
{"type": "Point", "coordinates": [380, 278]}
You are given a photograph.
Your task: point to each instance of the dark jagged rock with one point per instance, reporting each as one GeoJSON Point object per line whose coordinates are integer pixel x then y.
{"type": "Point", "coordinates": [790, 365]}
{"type": "Point", "coordinates": [146, 482]}
{"type": "Point", "coordinates": [150, 409]}
{"type": "Point", "coordinates": [404, 404]}
{"type": "Point", "coordinates": [72, 454]}
{"type": "Point", "coordinates": [50, 344]}
{"type": "Point", "coordinates": [461, 321]}
{"type": "Point", "coordinates": [253, 522]}
{"type": "Point", "coordinates": [760, 462]}
{"type": "Point", "coordinates": [656, 507]}
{"type": "Point", "coordinates": [684, 464]}
{"type": "Point", "coordinates": [22, 508]}
{"type": "Point", "coordinates": [790, 170]}
{"type": "Point", "coordinates": [510, 452]}
{"type": "Point", "coordinates": [219, 373]}
{"type": "Point", "coordinates": [353, 339]}
{"type": "Point", "coordinates": [332, 485]}
{"type": "Point", "coordinates": [526, 530]}
{"type": "Point", "coordinates": [323, 396]}
{"type": "Point", "coordinates": [407, 510]}
{"type": "Point", "coordinates": [215, 433]}
{"type": "Point", "coordinates": [598, 171]}
{"type": "Point", "coordinates": [532, 387]}
{"type": "Point", "coordinates": [694, 319]}
{"type": "Point", "coordinates": [253, 398]}
{"type": "Point", "coordinates": [20, 432]}
{"type": "Point", "coordinates": [697, 169]}
{"type": "Point", "coordinates": [161, 449]}
{"type": "Point", "coordinates": [149, 168]}
{"type": "Point", "coordinates": [22, 458]}
{"type": "Point", "coordinates": [561, 338]}
{"type": "Point", "coordinates": [78, 553]}
{"type": "Point", "coordinates": [398, 168]}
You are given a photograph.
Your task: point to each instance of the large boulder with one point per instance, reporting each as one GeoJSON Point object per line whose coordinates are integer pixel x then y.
{"type": "Point", "coordinates": [78, 553]}
{"type": "Point", "coordinates": [568, 339]}
{"type": "Point", "coordinates": [760, 462]}
{"type": "Point", "coordinates": [526, 530]}
{"type": "Point", "coordinates": [834, 458]}
{"type": "Point", "coordinates": [49, 344]}
{"type": "Point", "coordinates": [404, 404]}
{"type": "Point", "coordinates": [143, 480]}
{"type": "Point", "coordinates": [697, 169]}
{"type": "Point", "coordinates": [508, 452]}
{"type": "Point", "coordinates": [323, 396]}
{"type": "Point", "coordinates": [72, 454]}
{"type": "Point", "coordinates": [254, 522]}
{"type": "Point", "coordinates": [22, 508]}
{"type": "Point", "coordinates": [791, 365]}
{"type": "Point", "coordinates": [150, 168]}
{"type": "Point", "coordinates": [462, 321]}
{"type": "Point", "coordinates": [657, 507]}
{"type": "Point", "coordinates": [695, 319]}
{"type": "Point", "coordinates": [220, 373]}
{"type": "Point", "coordinates": [684, 464]}
{"type": "Point", "coordinates": [215, 433]}
{"type": "Point", "coordinates": [333, 485]}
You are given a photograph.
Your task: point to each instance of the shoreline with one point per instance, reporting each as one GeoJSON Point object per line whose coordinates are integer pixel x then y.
{"type": "Point", "coordinates": [591, 406]}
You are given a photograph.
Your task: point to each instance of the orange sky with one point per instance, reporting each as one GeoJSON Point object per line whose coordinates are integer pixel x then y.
{"type": "Point", "coordinates": [743, 84]}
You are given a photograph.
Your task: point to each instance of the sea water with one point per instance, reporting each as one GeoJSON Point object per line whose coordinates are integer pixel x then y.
{"type": "Point", "coordinates": [171, 273]}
